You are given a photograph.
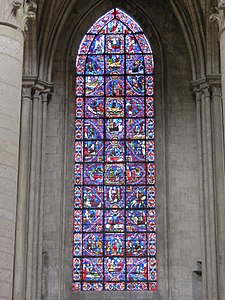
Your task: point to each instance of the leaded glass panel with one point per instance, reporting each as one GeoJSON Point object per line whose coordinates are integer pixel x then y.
{"type": "Point", "coordinates": [114, 224]}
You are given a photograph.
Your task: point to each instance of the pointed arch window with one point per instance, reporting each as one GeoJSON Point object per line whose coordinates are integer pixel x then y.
{"type": "Point", "coordinates": [114, 241]}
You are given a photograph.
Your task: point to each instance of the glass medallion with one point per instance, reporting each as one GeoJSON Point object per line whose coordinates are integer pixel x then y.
{"type": "Point", "coordinates": [93, 129]}
{"type": "Point", "coordinates": [114, 197]}
{"type": "Point", "coordinates": [114, 86]}
{"type": "Point", "coordinates": [94, 85]}
{"type": "Point", "coordinates": [135, 129]}
{"type": "Point", "coordinates": [114, 268]}
{"type": "Point", "coordinates": [92, 244]}
{"type": "Point", "coordinates": [93, 151]}
{"type": "Point", "coordinates": [136, 197]}
{"type": "Point", "coordinates": [114, 151]}
{"type": "Point", "coordinates": [95, 65]}
{"type": "Point", "coordinates": [114, 129]}
{"type": "Point", "coordinates": [114, 244]}
{"type": "Point", "coordinates": [136, 244]}
{"type": "Point", "coordinates": [114, 107]}
{"type": "Point", "coordinates": [115, 27]}
{"type": "Point", "coordinates": [93, 197]}
{"type": "Point", "coordinates": [114, 64]}
{"type": "Point", "coordinates": [135, 151]}
{"type": "Point", "coordinates": [137, 269]}
{"type": "Point", "coordinates": [92, 220]}
{"type": "Point", "coordinates": [136, 220]}
{"type": "Point", "coordinates": [115, 43]}
{"type": "Point", "coordinates": [114, 217]}
{"type": "Point", "coordinates": [92, 269]}
{"type": "Point", "coordinates": [114, 174]}
{"type": "Point", "coordinates": [134, 64]}
{"type": "Point", "coordinates": [114, 220]}
{"type": "Point", "coordinates": [135, 107]}
{"type": "Point", "coordinates": [135, 173]}
{"type": "Point", "coordinates": [132, 45]}
{"type": "Point", "coordinates": [98, 45]}
{"type": "Point", "coordinates": [135, 85]}
{"type": "Point", "coordinates": [94, 107]}
{"type": "Point", "coordinates": [93, 174]}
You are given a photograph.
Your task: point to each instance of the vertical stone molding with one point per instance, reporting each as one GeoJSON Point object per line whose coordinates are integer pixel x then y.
{"type": "Point", "coordinates": [208, 145]}
{"type": "Point", "coordinates": [13, 16]}
{"type": "Point", "coordinates": [208, 195]}
{"type": "Point", "coordinates": [219, 17]}
{"type": "Point", "coordinates": [36, 191]}
{"type": "Point", "coordinates": [45, 98]}
{"type": "Point", "coordinates": [198, 97]}
{"type": "Point", "coordinates": [23, 188]}
{"type": "Point", "coordinates": [219, 174]}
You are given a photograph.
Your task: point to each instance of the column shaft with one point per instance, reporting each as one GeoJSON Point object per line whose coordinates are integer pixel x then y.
{"type": "Point", "coordinates": [218, 138]}
{"type": "Point", "coordinates": [201, 199]}
{"type": "Point", "coordinates": [209, 265]}
{"type": "Point", "coordinates": [11, 61]}
{"type": "Point", "coordinates": [23, 189]}
{"type": "Point", "coordinates": [40, 246]}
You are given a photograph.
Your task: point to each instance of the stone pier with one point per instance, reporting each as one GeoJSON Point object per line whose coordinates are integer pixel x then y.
{"type": "Point", "coordinates": [13, 17]}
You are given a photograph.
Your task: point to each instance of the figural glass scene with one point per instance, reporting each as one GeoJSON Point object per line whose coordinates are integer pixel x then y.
{"type": "Point", "coordinates": [114, 226]}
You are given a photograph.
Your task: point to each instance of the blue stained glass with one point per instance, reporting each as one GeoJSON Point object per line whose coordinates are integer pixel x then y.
{"type": "Point", "coordinates": [114, 64]}
{"type": "Point", "coordinates": [95, 65]}
{"type": "Point", "coordinates": [98, 45]}
{"type": "Point", "coordinates": [114, 43]}
{"type": "Point", "coordinates": [114, 219]}
{"type": "Point", "coordinates": [114, 107]}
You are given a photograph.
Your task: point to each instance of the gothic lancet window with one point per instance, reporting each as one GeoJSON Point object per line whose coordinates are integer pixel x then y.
{"type": "Point", "coordinates": [114, 241]}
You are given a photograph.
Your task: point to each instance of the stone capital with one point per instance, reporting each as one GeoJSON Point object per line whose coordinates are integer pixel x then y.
{"type": "Point", "coordinates": [15, 13]}
{"type": "Point", "coordinates": [46, 95]}
{"type": "Point", "coordinates": [219, 15]}
{"type": "Point", "coordinates": [216, 91]}
{"type": "Point", "coordinates": [206, 92]}
{"type": "Point", "coordinates": [26, 92]}
{"type": "Point", "coordinates": [197, 94]}
{"type": "Point", "coordinates": [36, 88]}
{"type": "Point", "coordinates": [207, 87]}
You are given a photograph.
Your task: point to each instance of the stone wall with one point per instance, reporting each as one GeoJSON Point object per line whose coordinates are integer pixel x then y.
{"type": "Point", "coordinates": [176, 150]}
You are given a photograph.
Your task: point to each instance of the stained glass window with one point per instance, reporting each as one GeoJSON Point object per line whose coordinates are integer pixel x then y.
{"type": "Point", "coordinates": [114, 241]}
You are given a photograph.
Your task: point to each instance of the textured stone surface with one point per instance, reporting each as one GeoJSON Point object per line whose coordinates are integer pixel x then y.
{"type": "Point", "coordinates": [11, 57]}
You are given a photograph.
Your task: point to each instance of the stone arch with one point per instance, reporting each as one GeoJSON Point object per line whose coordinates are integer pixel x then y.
{"type": "Point", "coordinates": [60, 112]}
